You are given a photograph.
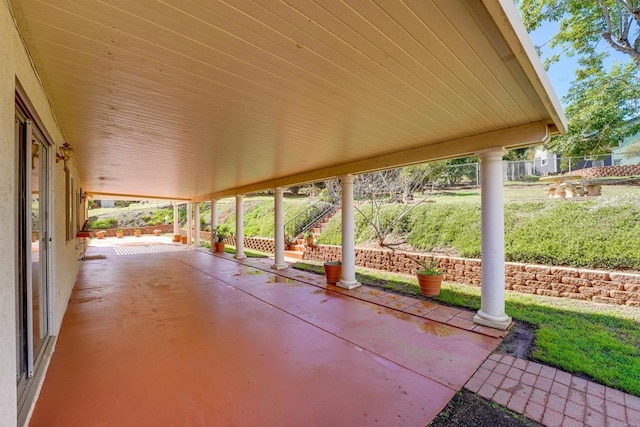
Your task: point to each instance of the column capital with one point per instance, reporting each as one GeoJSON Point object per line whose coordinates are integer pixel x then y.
{"type": "Point", "coordinates": [278, 190]}
{"type": "Point", "coordinates": [347, 179]}
{"type": "Point", "coordinates": [491, 153]}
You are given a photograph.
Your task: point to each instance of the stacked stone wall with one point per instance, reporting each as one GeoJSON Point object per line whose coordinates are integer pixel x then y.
{"type": "Point", "coordinates": [565, 282]}
{"type": "Point", "coordinates": [262, 244]}
{"type": "Point", "coordinates": [111, 232]}
{"type": "Point", "coordinates": [604, 171]}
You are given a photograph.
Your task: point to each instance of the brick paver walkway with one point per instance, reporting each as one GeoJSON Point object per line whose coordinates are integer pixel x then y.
{"type": "Point", "coordinates": [550, 396]}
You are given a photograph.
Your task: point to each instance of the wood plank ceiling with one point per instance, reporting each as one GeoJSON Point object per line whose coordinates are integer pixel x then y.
{"type": "Point", "coordinates": [187, 99]}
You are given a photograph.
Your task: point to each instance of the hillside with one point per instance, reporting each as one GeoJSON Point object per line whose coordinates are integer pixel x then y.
{"type": "Point", "coordinates": [599, 232]}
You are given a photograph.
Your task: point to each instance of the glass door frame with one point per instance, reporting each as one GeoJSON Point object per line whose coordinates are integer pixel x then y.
{"type": "Point", "coordinates": [30, 357]}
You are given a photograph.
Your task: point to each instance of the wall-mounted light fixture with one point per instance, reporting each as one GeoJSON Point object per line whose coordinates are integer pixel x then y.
{"type": "Point", "coordinates": [64, 153]}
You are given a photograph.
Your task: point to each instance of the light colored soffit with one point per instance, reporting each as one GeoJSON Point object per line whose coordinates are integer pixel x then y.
{"type": "Point", "coordinates": [182, 100]}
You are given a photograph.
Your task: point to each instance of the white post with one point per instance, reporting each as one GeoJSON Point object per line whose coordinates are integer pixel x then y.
{"type": "Point", "coordinates": [278, 208]}
{"type": "Point", "coordinates": [491, 311]}
{"type": "Point", "coordinates": [189, 222]}
{"type": "Point", "coordinates": [196, 219]}
{"type": "Point", "coordinates": [348, 279]}
{"type": "Point", "coordinates": [239, 228]}
{"type": "Point", "coordinates": [176, 219]}
{"type": "Point", "coordinates": [214, 220]}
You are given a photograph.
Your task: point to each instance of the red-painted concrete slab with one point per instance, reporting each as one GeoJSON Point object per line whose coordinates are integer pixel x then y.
{"type": "Point", "coordinates": [444, 353]}
{"type": "Point", "coordinates": [186, 338]}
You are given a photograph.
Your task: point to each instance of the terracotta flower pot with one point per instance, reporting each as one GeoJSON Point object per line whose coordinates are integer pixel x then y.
{"type": "Point", "coordinates": [177, 238]}
{"type": "Point", "coordinates": [137, 233]}
{"type": "Point", "coordinates": [157, 232]}
{"type": "Point", "coordinates": [184, 240]}
{"type": "Point", "coordinates": [100, 235]}
{"type": "Point", "coordinates": [333, 271]}
{"type": "Point", "coordinates": [119, 234]}
{"type": "Point", "coordinates": [430, 284]}
{"type": "Point", "coordinates": [219, 246]}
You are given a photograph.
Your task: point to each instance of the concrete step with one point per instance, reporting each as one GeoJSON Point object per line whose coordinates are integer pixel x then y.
{"type": "Point", "coordinates": [293, 254]}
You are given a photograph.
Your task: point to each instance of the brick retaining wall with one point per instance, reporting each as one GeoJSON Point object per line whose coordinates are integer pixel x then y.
{"type": "Point", "coordinates": [565, 282]}
{"type": "Point", "coordinates": [591, 285]}
{"type": "Point", "coordinates": [111, 232]}
{"type": "Point", "coordinates": [262, 244]}
{"type": "Point", "coordinates": [602, 171]}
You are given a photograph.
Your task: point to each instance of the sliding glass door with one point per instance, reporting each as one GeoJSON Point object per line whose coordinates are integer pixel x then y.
{"type": "Point", "coordinates": [32, 240]}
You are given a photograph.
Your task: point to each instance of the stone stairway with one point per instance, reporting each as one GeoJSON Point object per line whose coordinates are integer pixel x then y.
{"type": "Point", "coordinates": [297, 251]}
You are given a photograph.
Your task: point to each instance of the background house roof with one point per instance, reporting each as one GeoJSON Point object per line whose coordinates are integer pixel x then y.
{"type": "Point", "coordinates": [191, 100]}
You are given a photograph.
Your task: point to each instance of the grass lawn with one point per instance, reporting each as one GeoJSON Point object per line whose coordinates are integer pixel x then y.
{"type": "Point", "coordinates": [599, 341]}
{"type": "Point", "coordinates": [250, 253]}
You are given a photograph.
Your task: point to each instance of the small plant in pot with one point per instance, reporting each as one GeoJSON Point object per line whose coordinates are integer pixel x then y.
{"type": "Point", "coordinates": [220, 233]}
{"type": "Point", "coordinates": [333, 271]}
{"type": "Point", "coordinates": [429, 278]}
{"type": "Point", "coordinates": [100, 234]}
{"type": "Point", "coordinates": [308, 237]}
{"type": "Point", "coordinates": [120, 233]}
{"type": "Point", "coordinates": [137, 232]}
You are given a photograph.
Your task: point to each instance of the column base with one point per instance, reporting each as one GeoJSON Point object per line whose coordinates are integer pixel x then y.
{"type": "Point", "coordinates": [240, 256]}
{"type": "Point", "coordinates": [348, 284]}
{"type": "Point", "coordinates": [497, 322]}
{"type": "Point", "coordinates": [280, 266]}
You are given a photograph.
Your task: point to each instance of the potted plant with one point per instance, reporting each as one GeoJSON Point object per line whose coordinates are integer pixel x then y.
{"type": "Point", "coordinates": [429, 278]}
{"type": "Point", "coordinates": [157, 232]}
{"type": "Point", "coordinates": [137, 232]}
{"type": "Point", "coordinates": [308, 237]}
{"type": "Point", "coordinates": [119, 233]}
{"type": "Point", "coordinates": [220, 233]}
{"type": "Point", "coordinates": [177, 238]}
{"type": "Point", "coordinates": [100, 234]}
{"type": "Point", "coordinates": [333, 271]}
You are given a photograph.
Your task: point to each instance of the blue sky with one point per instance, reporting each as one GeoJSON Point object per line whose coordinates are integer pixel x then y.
{"type": "Point", "coordinates": [562, 73]}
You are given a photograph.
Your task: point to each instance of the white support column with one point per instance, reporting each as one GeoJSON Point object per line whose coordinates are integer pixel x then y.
{"type": "Point", "coordinates": [239, 228]}
{"type": "Point", "coordinates": [189, 222]}
{"type": "Point", "coordinates": [348, 279]}
{"type": "Point", "coordinates": [196, 219]}
{"type": "Point", "coordinates": [491, 311]}
{"type": "Point", "coordinates": [176, 219]}
{"type": "Point", "coordinates": [214, 220]}
{"type": "Point", "coordinates": [278, 209]}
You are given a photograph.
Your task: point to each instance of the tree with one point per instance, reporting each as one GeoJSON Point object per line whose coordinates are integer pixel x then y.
{"type": "Point", "coordinates": [599, 104]}
{"type": "Point", "coordinates": [600, 100]}
{"type": "Point", "coordinates": [403, 188]}
{"type": "Point", "coordinates": [584, 23]}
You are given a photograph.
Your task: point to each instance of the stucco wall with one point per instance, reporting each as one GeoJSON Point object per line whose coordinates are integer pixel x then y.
{"type": "Point", "coordinates": [16, 67]}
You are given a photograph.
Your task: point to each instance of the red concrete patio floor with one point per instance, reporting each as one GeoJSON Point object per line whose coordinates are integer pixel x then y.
{"type": "Point", "coordinates": [187, 338]}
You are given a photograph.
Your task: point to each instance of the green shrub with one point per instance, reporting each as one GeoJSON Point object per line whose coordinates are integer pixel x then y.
{"type": "Point", "coordinates": [332, 233]}
{"type": "Point", "coordinates": [258, 219]}
{"type": "Point", "coordinates": [159, 216]}
{"type": "Point", "coordinates": [104, 223]}
{"type": "Point", "coordinates": [453, 226]}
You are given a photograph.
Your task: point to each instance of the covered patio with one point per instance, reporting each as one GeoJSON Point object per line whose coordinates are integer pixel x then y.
{"type": "Point", "coordinates": [188, 337]}
{"type": "Point", "coordinates": [198, 101]}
